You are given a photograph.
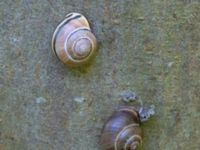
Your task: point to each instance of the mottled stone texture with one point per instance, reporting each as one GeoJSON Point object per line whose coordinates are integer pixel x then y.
{"type": "Point", "coordinates": [149, 46]}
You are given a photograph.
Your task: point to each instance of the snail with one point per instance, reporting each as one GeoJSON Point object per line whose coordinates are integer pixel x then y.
{"type": "Point", "coordinates": [122, 131]}
{"type": "Point", "coordinates": [73, 42]}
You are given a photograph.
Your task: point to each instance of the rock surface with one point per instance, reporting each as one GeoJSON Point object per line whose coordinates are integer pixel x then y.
{"type": "Point", "coordinates": [137, 40]}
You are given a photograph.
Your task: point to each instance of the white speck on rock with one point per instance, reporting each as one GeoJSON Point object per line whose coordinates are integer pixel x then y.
{"type": "Point", "coordinates": [170, 64]}
{"type": "Point", "coordinates": [128, 96]}
{"type": "Point", "coordinates": [79, 99]}
{"type": "Point", "coordinates": [40, 100]}
{"type": "Point", "coordinates": [141, 18]}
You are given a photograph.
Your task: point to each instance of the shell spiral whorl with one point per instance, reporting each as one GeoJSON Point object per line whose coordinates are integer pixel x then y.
{"type": "Point", "coordinates": [122, 130]}
{"type": "Point", "coordinates": [73, 42]}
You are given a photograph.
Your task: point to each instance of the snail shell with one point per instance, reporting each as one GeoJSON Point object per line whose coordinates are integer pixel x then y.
{"type": "Point", "coordinates": [73, 42]}
{"type": "Point", "coordinates": [122, 130]}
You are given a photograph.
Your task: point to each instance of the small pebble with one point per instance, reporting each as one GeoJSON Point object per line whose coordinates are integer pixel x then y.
{"type": "Point", "coordinates": [149, 62]}
{"type": "Point", "coordinates": [141, 18]}
{"type": "Point", "coordinates": [40, 100]}
{"type": "Point", "coordinates": [170, 64]}
{"type": "Point", "coordinates": [128, 96]}
{"type": "Point", "coordinates": [146, 112]}
{"type": "Point", "coordinates": [79, 99]}
{"type": "Point", "coordinates": [116, 21]}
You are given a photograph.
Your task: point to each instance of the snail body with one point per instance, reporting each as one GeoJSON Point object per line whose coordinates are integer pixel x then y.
{"type": "Point", "coordinates": [73, 42]}
{"type": "Point", "coordinates": [122, 131]}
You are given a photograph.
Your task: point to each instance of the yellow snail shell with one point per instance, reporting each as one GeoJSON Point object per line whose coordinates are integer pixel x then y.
{"type": "Point", "coordinates": [73, 42]}
{"type": "Point", "coordinates": [122, 130]}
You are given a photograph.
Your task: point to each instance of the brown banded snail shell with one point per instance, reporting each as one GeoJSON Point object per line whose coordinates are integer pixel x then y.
{"type": "Point", "coordinates": [73, 42]}
{"type": "Point", "coordinates": [122, 131]}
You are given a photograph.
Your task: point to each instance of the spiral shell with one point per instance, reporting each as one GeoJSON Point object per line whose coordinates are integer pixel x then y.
{"type": "Point", "coordinates": [122, 130]}
{"type": "Point", "coordinates": [73, 42]}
